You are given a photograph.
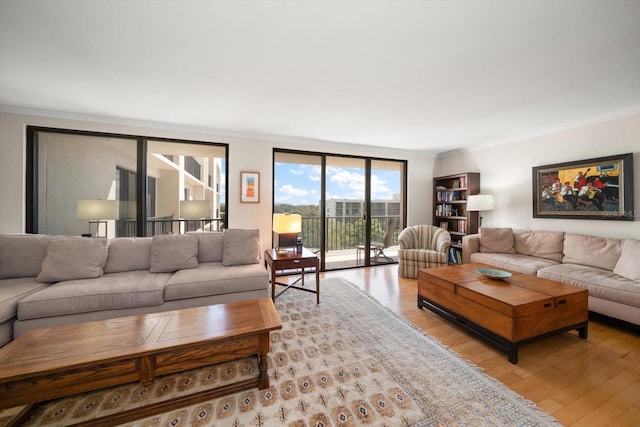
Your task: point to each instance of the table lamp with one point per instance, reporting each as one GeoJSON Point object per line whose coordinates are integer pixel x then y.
{"type": "Point", "coordinates": [97, 211]}
{"type": "Point", "coordinates": [195, 209]}
{"type": "Point", "coordinates": [286, 228]}
{"type": "Point", "coordinates": [480, 202]}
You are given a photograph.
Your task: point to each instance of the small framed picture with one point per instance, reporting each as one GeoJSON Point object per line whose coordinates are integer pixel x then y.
{"type": "Point", "coordinates": [249, 187]}
{"type": "Point", "coordinates": [445, 225]}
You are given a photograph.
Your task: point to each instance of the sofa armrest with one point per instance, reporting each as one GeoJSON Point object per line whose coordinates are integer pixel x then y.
{"type": "Point", "coordinates": [470, 245]}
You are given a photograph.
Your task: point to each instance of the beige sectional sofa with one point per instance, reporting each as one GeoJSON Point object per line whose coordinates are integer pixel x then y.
{"type": "Point", "coordinates": [55, 280]}
{"type": "Point", "coordinates": [608, 268]}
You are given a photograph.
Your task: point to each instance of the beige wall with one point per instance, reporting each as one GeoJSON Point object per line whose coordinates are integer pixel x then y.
{"type": "Point", "coordinates": [245, 154]}
{"type": "Point", "coordinates": [506, 172]}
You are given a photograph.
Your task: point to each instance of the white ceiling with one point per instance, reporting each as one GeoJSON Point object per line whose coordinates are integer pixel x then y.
{"type": "Point", "coordinates": [420, 75]}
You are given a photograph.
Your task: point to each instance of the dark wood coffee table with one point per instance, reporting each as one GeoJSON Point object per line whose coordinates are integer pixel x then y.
{"type": "Point", "coordinates": [506, 313]}
{"type": "Point", "coordinates": [55, 362]}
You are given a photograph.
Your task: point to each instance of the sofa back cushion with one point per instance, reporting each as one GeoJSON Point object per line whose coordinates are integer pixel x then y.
{"type": "Point", "coordinates": [541, 244]}
{"type": "Point", "coordinates": [128, 254]}
{"type": "Point", "coordinates": [498, 240]}
{"type": "Point", "coordinates": [241, 247]}
{"type": "Point", "coordinates": [21, 255]}
{"type": "Point", "coordinates": [73, 258]}
{"type": "Point", "coordinates": [629, 263]}
{"type": "Point", "coordinates": [591, 251]}
{"type": "Point", "coordinates": [173, 252]}
{"type": "Point", "coordinates": [210, 246]}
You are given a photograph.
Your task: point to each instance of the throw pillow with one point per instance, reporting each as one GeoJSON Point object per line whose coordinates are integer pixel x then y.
{"type": "Point", "coordinates": [241, 247]}
{"type": "Point", "coordinates": [13, 247]}
{"type": "Point", "coordinates": [592, 251]}
{"type": "Point", "coordinates": [628, 265]}
{"type": "Point", "coordinates": [210, 246]}
{"type": "Point", "coordinates": [499, 240]}
{"type": "Point", "coordinates": [73, 258]}
{"type": "Point", "coordinates": [542, 244]}
{"type": "Point", "coordinates": [128, 254]}
{"type": "Point", "coordinates": [173, 252]}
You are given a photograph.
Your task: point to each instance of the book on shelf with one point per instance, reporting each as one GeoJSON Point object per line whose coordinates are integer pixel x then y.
{"type": "Point", "coordinates": [455, 256]}
{"type": "Point", "coordinates": [448, 196]}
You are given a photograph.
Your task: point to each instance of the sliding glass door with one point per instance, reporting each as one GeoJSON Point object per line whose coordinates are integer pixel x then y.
{"type": "Point", "coordinates": [352, 207]}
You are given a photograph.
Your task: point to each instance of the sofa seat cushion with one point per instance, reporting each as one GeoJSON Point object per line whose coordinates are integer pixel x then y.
{"type": "Point", "coordinates": [515, 262]}
{"type": "Point", "coordinates": [12, 291]}
{"type": "Point", "coordinates": [112, 291]}
{"type": "Point", "coordinates": [213, 279]}
{"type": "Point", "coordinates": [600, 283]}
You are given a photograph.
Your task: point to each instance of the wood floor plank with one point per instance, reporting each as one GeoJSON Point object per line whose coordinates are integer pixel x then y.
{"type": "Point", "coordinates": [593, 382]}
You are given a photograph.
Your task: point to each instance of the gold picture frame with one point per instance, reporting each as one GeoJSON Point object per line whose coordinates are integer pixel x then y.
{"type": "Point", "coordinates": [600, 188]}
{"type": "Point", "coordinates": [249, 187]}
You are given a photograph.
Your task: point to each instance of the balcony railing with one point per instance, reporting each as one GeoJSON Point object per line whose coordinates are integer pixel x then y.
{"type": "Point", "coordinates": [344, 232]}
{"type": "Point", "coordinates": [168, 225]}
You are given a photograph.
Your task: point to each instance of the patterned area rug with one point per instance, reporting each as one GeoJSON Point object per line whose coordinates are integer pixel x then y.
{"type": "Point", "coordinates": [346, 362]}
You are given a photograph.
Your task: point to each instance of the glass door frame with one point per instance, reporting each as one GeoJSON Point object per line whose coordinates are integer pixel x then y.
{"type": "Point", "coordinates": [32, 170]}
{"type": "Point", "coordinates": [366, 202]}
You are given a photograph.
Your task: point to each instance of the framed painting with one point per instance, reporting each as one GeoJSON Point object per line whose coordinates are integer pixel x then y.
{"type": "Point", "coordinates": [249, 187]}
{"type": "Point", "coordinates": [600, 188]}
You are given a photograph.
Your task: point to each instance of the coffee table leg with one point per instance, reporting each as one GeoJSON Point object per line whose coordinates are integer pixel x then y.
{"type": "Point", "coordinates": [583, 331]}
{"type": "Point", "coordinates": [263, 349]}
{"type": "Point", "coordinates": [512, 351]}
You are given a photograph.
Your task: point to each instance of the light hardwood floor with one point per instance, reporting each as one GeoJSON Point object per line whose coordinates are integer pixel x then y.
{"type": "Point", "coordinates": [593, 382]}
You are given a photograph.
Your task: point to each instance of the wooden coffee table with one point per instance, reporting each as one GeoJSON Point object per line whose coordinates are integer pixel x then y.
{"type": "Point", "coordinates": [50, 363]}
{"type": "Point", "coordinates": [506, 313]}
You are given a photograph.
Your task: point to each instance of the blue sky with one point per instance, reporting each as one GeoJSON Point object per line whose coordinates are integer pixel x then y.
{"type": "Point", "coordinates": [299, 184]}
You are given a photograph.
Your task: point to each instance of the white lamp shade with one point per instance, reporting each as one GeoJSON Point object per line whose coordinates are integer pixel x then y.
{"type": "Point", "coordinates": [480, 202]}
{"type": "Point", "coordinates": [287, 223]}
{"type": "Point", "coordinates": [97, 209]}
{"type": "Point", "coordinates": [195, 209]}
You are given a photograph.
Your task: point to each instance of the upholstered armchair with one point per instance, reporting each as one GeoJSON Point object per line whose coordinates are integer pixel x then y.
{"type": "Point", "coordinates": [422, 246]}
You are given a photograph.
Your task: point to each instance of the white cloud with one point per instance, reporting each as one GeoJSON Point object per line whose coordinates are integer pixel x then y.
{"type": "Point", "coordinates": [292, 191]}
{"type": "Point", "coordinates": [315, 173]}
{"type": "Point", "coordinates": [379, 189]}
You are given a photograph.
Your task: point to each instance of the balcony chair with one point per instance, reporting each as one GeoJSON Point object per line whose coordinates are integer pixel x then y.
{"type": "Point", "coordinates": [379, 247]}
{"type": "Point", "coordinates": [422, 246]}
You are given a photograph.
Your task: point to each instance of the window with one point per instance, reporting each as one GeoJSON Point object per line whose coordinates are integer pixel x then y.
{"type": "Point", "coordinates": [147, 189]}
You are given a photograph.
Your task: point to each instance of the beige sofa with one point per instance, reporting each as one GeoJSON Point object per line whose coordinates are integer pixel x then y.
{"type": "Point", "coordinates": [54, 280]}
{"type": "Point", "coordinates": [608, 268]}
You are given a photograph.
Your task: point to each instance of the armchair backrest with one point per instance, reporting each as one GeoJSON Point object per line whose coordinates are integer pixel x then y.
{"type": "Point", "coordinates": [424, 237]}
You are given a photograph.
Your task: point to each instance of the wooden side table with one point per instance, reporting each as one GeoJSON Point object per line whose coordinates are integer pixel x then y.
{"type": "Point", "coordinates": [292, 261]}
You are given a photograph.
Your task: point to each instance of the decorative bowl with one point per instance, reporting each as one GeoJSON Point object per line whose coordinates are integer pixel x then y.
{"type": "Point", "coordinates": [493, 273]}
